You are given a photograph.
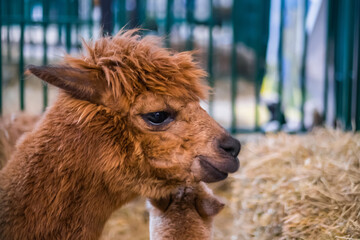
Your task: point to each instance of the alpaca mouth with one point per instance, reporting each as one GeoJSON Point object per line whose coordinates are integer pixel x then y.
{"type": "Point", "coordinates": [213, 174]}
{"type": "Point", "coordinates": [213, 170]}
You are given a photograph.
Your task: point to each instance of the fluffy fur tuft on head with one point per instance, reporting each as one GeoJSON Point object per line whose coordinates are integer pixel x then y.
{"type": "Point", "coordinates": [132, 65]}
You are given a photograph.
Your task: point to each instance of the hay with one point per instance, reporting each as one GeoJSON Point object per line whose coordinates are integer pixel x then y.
{"type": "Point", "coordinates": [304, 187]}
{"type": "Point", "coordinates": [128, 223]}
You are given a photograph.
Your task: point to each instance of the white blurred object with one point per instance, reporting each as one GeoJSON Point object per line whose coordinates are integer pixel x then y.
{"type": "Point", "coordinates": [312, 15]}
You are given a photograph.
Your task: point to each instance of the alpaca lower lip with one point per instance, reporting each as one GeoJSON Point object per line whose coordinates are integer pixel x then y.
{"type": "Point", "coordinates": [213, 173]}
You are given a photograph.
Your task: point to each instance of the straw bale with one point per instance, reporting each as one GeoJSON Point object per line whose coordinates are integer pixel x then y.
{"type": "Point", "coordinates": [302, 187]}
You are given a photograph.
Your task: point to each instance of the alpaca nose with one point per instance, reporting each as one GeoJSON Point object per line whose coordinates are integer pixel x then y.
{"type": "Point", "coordinates": [230, 145]}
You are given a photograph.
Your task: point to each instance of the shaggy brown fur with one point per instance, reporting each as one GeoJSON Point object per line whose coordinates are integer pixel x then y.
{"type": "Point", "coordinates": [11, 128]}
{"type": "Point", "coordinates": [126, 123]}
{"type": "Point", "coordinates": [184, 215]}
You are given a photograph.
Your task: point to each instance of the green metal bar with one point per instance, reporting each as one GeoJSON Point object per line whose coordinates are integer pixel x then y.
{"type": "Point", "coordinates": [68, 26]}
{"type": "Point", "coordinates": [190, 6]}
{"type": "Point", "coordinates": [77, 24]}
{"type": "Point", "coordinates": [261, 47]}
{"type": "Point", "coordinates": [329, 40]}
{"type": "Point", "coordinates": [122, 13]}
{"type": "Point", "coordinates": [1, 103]}
{"type": "Point", "coordinates": [257, 88]}
{"type": "Point", "coordinates": [357, 110]}
{"type": "Point", "coordinates": [8, 43]}
{"type": "Point", "coordinates": [303, 68]}
{"type": "Point", "coordinates": [91, 24]}
{"type": "Point", "coordinates": [234, 73]}
{"type": "Point", "coordinates": [45, 4]}
{"type": "Point", "coordinates": [141, 11]}
{"type": "Point", "coordinates": [280, 63]}
{"type": "Point", "coordinates": [21, 57]}
{"type": "Point", "coordinates": [169, 21]}
{"type": "Point", "coordinates": [348, 63]}
{"type": "Point", "coordinates": [210, 59]}
{"type": "Point", "coordinates": [357, 105]}
{"type": "Point", "coordinates": [338, 75]}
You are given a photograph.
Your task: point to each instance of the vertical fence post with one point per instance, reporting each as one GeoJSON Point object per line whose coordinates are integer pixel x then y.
{"type": "Point", "coordinates": [45, 5]}
{"type": "Point", "coordinates": [234, 74]}
{"type": "Point", "coordinates": [141, 6]}
{"type": "Point", "coordinates": [90, 19]}
{"type": "Point", "coordinates": [303, 68]}
{"type": "Point", "coordinates": [210, 59]}
{"type": "Point", "coordinates": [357, 98]}
{"type": "Point", "coordinates": [261, 49]}
{"type": "Point", "coordinates": [21, 55]}
{"type": "Point", "coordinates": [348, 63]}
{"type": "Point", "coordinates": [1, 7]}
{"type": "Point", "coordinates": [357, 110]}
{"type": "Point", "coordinates": [122, 13]}
{"type": "Point", "coordinates": [329, 40]}
{"type": "Point", "coordinates": [280, 60]}
{"type": "Point", "coordinates": [337, 53]}
{"type": "Point", "coordinates": [8, 25]}
{"type": "Point", "coordinates": [169, 22]}
{"type": "Point", "coordinates": [190, 6]}
{"type": "Point", "coordinates": [68, 26]}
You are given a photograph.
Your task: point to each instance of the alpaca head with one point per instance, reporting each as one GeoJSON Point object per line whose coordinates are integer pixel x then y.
{"type": "Point", "coordinates": [156, 94]}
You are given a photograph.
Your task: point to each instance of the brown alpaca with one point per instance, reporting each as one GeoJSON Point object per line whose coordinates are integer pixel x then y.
{"type": "Point", "coordinates": [184, 215]}
{"type": "Point", "coordinates": [127, 122]}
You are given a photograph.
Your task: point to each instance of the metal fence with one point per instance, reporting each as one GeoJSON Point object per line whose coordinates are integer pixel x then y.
{"type": "Point", "coordinates": [246, 22]}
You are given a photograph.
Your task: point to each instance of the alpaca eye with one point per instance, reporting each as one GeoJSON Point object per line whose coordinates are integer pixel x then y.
{"type": "Point", "coordinates": [157, 118]}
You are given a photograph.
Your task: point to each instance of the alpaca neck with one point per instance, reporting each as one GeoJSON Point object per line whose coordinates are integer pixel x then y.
{"type": "Point", "coordinates": [58, 182]}
{"type": "Point", "coordinates": [57, 207]}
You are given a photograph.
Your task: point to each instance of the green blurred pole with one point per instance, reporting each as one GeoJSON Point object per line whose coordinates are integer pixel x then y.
{"type": "Point", "coordinates": [303, 68]}
{"type": "Point", "coordinates": [122, 13]}
{"type": "Point", "coordinates": [45, 6]}
{"type": "Point", "coordinates": [190, 7]}
{"type": "Point", "coordinates": [8, 25]}
{"type": "Point", "coordinates": [280, 56]}
{"type": "Point", "coordinates": [141, 11]}
{"type": "Point", "coordinates": [261, 49]}
{"type": "Point", "coordinates": [68, 26]}
{"type": "Point", "coordinates": [357, 105]}
{"type": "Point", "coordinates": [21, 55]}
{"type": "Point", "coordinates": [210, 59]}
{"type": "Point", "coordinates": [1, 5]}
{"type": "Point", "coordinates": [348, 63]}
{"type": "Point", "coordinates": [91, 23]}
{"type": "Point", "coordinates": [236, 4]}
{"type": "Point", "coordinates": [169, 22]}
{"type": "Point", "coordinates": [329, 40]}
{"type": "Point", "coordinates": [338, 42]}
{"type": "Point", "coordinates": [77, 22]}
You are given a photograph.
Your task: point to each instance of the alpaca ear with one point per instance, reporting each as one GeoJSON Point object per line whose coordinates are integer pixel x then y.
{"type": "Point", "coordinates": [78, 83]}
{"type": "Point", "coordinates": [208, 206]}
{"type": "Point", "coordinates": [162, 204]}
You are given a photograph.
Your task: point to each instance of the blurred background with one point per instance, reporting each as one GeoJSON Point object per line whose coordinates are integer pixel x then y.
{"type": "Point", "coordinates": [273, 64]}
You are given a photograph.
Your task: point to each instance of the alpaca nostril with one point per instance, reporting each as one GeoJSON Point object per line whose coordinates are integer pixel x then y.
{"type": "Point", "coordinates": [230, 145]}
